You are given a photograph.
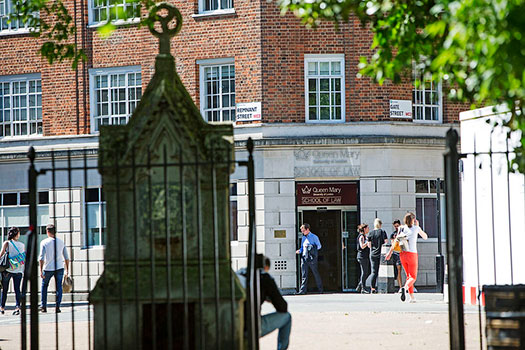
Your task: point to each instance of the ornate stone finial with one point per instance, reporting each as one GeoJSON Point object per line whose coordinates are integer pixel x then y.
{"type": "Point", "coordinates": [167, 33]}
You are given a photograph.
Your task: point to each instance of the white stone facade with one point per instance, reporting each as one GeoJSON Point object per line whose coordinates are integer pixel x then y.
{"type": "Point", "coordinates": [386, 168]}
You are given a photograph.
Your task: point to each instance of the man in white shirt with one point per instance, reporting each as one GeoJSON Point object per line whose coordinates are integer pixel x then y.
{"type": "Point", "coordinates": [53, 258]}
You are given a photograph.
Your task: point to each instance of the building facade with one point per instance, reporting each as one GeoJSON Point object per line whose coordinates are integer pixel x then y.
{"type": "Point", "coordinates": [332, 148]}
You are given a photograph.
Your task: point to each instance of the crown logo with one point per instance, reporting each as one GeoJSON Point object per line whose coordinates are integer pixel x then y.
{"type": "Point", "coordinates": [306, 190]}
{"type": "Point", "coordinates": [302, 154]}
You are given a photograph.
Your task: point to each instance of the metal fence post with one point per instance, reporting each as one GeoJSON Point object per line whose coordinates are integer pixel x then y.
{"type": "Point", "coordinates": [454, 243]}
{"type": "Point", "coordinates": [440, 259]}
{"type": "Point", "coordinates": [32, 250]}
{"type": "Point", "coordinates": [252, 285]}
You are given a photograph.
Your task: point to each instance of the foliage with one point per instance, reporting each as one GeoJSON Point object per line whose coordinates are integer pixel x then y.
{"type": "Point", "coordinates": [476, 46]}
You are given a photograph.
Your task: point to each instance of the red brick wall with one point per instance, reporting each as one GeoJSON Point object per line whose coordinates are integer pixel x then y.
{"type": "Point", "coordinates": [269, 61]}
{"type": "Point", "coordinates": [286, 41]}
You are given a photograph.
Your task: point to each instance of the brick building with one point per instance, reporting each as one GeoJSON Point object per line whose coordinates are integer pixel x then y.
{"type": "Point", "coordinates": [318, 128]}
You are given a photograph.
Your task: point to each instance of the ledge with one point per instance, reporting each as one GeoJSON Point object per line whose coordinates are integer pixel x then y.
{"type": "Point", "coordinates": [23, 31]}
{"type": "Point", "coordinates": [350, 140]}
{"type": "Point", "coordinates": [117, 23]}
{"type": "Point", "coordinates": [211, 14]}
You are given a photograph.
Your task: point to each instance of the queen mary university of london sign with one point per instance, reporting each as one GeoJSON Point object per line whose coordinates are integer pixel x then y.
{"type": "Point", "coordinates": [315, 194]}
{"type": "Point", "coordinates": [332, 162]}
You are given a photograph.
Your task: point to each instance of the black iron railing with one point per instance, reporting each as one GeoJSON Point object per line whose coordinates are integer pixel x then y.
{"type": "Point", "coordinates": [77, 173]}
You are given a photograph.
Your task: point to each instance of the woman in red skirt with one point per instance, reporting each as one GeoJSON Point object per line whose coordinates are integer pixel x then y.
{"type": "Point", "coordinates": [408, 256]}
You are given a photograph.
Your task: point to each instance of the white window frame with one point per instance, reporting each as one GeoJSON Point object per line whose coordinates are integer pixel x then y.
{"type": "Point", "coordinates": [40, 207]}
{"type": "Point", "coordinates": [25, 78]}
{"type": "Point", "coordinates": [102, 221]}
{"type": "Point", "coordinates": [218, 11]}
{"type": "Point", "coordinates": [6, 9]}
{"type": "Point", "coordinates": [203, 64]}
{"type": "Point", "coordinates": [324, 58]}
{"type": "Point", "coordinates": [439, 90]}
{"type": "Point", "coordinates": [93, 73]}
{"type": "Point", "coordinates": [94, 24]}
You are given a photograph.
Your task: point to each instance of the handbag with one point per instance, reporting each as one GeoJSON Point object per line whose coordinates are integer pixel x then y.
{"type": "Point", "coordinates": [17, 260]}
{"type": "Point", "coordinates": [4, 261]}
{"type": "Point", "coordinates": [67, 284]}
{"type": "Point", "coordinates": [401, 241]}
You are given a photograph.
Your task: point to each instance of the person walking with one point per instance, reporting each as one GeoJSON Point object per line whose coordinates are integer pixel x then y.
{"type": "Point", "coordinates": [376, 238]}
{"type": "Point", "coordinates": [409, 257]}
{"type": "Point", "coordinates": [310, 245]}
{"type": "Point", "coordinates": [363, 257]}
{"type": "Point", "coordinates": [17, 255]}
{"type": "Point", "coordinates": [395, 254]}
{"type": "Point", "coordinates": [53, 259]}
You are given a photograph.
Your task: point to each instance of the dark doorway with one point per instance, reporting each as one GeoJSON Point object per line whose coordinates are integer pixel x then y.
{"type": "Point", "coordinates": [158, 329]}
{"type": "Point", "coordinates": [327, 226]}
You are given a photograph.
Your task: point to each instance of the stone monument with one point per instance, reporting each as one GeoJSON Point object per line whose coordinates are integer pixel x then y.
{"type": "Point", "coordinates": [167, 282]}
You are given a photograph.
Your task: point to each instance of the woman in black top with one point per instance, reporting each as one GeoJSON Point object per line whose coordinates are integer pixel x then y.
{"type": "Point", "coordinates": [376, 239]}
{"type": "Point", "coordinates": [363, 257]}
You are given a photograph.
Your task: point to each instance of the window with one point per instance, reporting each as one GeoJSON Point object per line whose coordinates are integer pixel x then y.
{"type": "Point", "coordinates": [427, 205]}
{"type": "Point", "coordinates": [217, 86]}
{"type": "Point", "coordinates": [117, 10]}
{"type": "Point", "coordinates": [234, 227]}
{"type": "Point", "coordinates": [115, 93]}
{"type": "Point", "coordinates": [11, 25]}
{"type": "Point", "coordinates": [324, 83]}
{"type": "Point", "coordinates": [96, 217]}
{"type": "Point", "coordinates": [426, 98]}
{"type": "Point", "coordinates": [215, 5]}
{"type": "Point", "coordinates": [14, 211]}
{"type": "Point", "coordinates": [20, 105]}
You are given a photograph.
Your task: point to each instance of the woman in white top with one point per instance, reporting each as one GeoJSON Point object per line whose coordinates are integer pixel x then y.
{"type": "Point", "coordinates": [16, 251]}
{"type": "Point", "coordinates": [409, 258]}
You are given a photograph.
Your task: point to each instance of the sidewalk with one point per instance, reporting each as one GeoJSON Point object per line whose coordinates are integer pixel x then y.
{"type": "Point", "coordinates": [355, 321]}
{"type": "Point", "coordinates": [327, 321]}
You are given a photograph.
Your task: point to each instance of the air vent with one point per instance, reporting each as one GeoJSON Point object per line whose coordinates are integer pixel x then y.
{"type": "Point", "coordinates": [279, 265]}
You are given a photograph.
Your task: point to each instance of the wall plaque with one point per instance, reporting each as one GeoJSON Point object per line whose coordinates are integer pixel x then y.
{"type": "Point", "coordinates": [279, 233]}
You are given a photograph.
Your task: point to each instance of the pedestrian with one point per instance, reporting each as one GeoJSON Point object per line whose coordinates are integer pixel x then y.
{"type": "Point", "coordinates": [409, 257]}
{"type": "Point", "coordinates": [395, 254]}
{"type": "Point", "coordinates": [363, 257]}
{"type": "Point", "coordinates": [281, 318]}
{"type": "Point", "coordinates": [53, 259]}
{"type": "Point", "coordinates": [17, 255]}
{"type": "Point", "coordinates": [310, 245]}
{"type": "Point", "coordinates": [376, 239]}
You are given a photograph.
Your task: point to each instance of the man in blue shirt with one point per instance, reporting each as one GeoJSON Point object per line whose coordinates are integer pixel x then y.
{"type": "Point", "coordinates": [310, 245]}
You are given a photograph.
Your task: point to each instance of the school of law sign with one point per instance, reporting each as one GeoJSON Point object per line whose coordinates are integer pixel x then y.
{"type": "Point", "coordinates": [315, 194]}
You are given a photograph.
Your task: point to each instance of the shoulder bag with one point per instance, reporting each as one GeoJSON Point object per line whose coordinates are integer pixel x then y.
{"type": "Point", "coordinates": [17, 260]}
{"type": "Point", "coordinates": [4, 260]}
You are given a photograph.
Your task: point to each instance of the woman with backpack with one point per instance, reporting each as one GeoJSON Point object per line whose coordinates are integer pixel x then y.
{"type": "Point", "coordinates": [363, 257]}
{"type": "Point", "coordinates": [16, 254]}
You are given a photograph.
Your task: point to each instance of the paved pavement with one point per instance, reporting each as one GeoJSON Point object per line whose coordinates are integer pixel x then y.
{"type": "Point", "coordinates": [327, 321]}
{"type": "Point", "coordinates": [51, 331]}
{"type": "Point", "coordinates": [357, 321]}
